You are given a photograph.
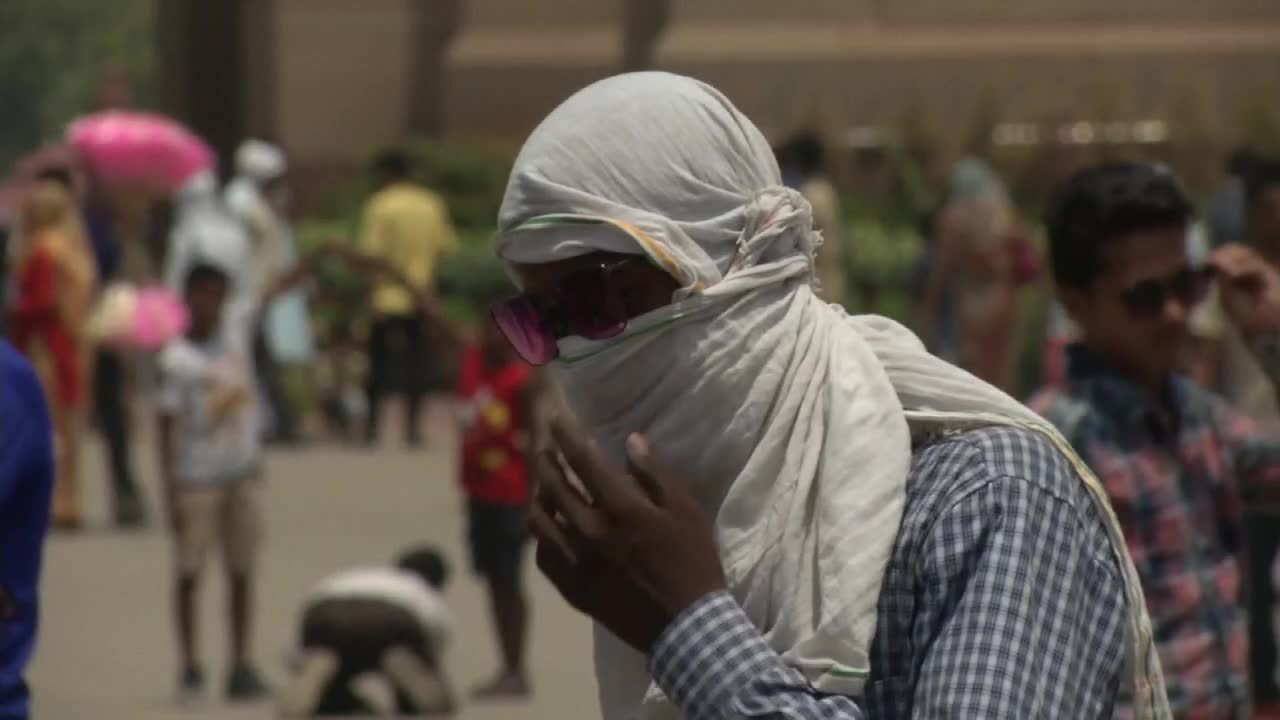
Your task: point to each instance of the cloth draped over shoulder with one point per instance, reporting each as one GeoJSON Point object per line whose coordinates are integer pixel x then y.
{"type": "Point", "coordinates": [793, 419]}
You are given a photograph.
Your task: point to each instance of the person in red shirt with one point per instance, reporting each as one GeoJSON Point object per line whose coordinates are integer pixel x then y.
{"type": "Point", "coordinates": [500, 423]}
{"type": "Point", "coordinates": [56, 281]}
{"type": "Point", "coordinates": [496, 390]}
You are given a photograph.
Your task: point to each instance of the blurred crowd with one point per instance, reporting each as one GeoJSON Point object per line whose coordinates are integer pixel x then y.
{"type": "Point", "coordinates": [128, 290]}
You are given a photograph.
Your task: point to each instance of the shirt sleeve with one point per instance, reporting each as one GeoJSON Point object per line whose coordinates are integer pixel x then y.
{"type": "Point", "coordinates": [1254, 454]}
{"type": "Point", "coordinates": [1021, 609]}
{"type": "Point", "coordinates": [714, 664]}
{"type": "Point", "coordinates": [372, 230]}
{"type": "Point", "coordinates": [1020, 612]}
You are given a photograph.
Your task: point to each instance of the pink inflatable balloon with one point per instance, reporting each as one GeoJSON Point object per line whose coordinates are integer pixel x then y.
{"type": "Point", "coordinates": [137, 147]}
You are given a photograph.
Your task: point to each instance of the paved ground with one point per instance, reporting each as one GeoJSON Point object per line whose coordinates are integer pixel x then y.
{"type": "Point", "coordinates": [106, 649]}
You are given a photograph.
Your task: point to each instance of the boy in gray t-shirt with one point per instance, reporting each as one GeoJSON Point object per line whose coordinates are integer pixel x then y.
{"type": "Point", "coordinates": [209, 459]}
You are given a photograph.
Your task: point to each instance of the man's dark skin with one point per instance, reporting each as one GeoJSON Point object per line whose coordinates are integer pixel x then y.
{"type": "Point", "coordinates": [634, 550]}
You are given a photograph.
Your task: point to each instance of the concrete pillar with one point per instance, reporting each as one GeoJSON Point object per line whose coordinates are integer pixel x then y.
{"type": "Point", "coordinates": [260, 86]}
{"type": "Point", "coordinates": [643, 23]}
{"type": "Point", "coordinates": [435, 25]}
{"type": "Point", "coordinates": [201, 66]}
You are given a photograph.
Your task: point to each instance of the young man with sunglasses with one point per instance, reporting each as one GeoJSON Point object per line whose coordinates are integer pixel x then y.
{"type": "Point", "coordinates": [1178, 463]}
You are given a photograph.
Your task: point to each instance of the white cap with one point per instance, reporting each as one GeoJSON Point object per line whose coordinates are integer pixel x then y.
{"type": "Point", "coordinates": [260, 160]}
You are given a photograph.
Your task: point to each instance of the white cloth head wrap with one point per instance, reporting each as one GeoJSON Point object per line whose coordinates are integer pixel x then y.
{"type": "Point", "coordinates": [791, 419]}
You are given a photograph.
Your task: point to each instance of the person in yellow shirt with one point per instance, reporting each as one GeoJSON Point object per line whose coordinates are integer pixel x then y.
{"type": "Point", "coordinates": [407, 227]}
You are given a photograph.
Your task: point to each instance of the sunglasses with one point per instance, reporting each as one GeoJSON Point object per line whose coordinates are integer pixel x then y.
{"type": "Point", "coordinates": [1188, 286]}
{"type": "Point", "coordinates": [586, 302]}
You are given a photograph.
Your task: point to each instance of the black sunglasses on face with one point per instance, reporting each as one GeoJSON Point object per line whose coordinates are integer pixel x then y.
{"type": "Point", "coordinates": [1188, 286]}
{"type": "Point", "coordinates": [586, 302]}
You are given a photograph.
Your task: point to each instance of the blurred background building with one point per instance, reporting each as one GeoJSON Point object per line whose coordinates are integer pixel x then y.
{"type": "Point", "coordinates": [332, 79]}
{"type": "Point", "coordinates": [942, 75]}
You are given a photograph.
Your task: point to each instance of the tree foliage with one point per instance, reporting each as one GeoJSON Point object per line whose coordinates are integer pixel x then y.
{"type": "Point", "coordinates": [52, 56]}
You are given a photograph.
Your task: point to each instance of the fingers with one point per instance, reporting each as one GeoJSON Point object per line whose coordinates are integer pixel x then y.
{"type": "Point", "coordinates": [549, 532]}
{"type": "Point", "coordinates": [556, 495]}
{"type": "Point", "coordinates": [1235, 260]}
{"type": "Point", "coordinates": [602, 482]}
{"type": "Point", "coordinates": [644, 466]}
{"type": "Point", "coordinates": [563, 570]}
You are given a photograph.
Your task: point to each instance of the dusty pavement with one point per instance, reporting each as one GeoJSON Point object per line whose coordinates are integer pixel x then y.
{"type": "Point", "coordinates": [106, 649]}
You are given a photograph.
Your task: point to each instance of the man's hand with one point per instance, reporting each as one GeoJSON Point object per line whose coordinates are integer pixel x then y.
{"type": "Point", "coordinates": [1249, 287]}
{"type": "Point", "coordinates": [595, 586]}
{"type": "Point", "coordinates": [643, 527]}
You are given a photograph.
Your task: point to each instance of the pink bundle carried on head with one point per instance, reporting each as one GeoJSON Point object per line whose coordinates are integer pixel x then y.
{"type": "Point", "coordinates": [159, 317]}
{"type": "Point", "coordinates": [140, 318]}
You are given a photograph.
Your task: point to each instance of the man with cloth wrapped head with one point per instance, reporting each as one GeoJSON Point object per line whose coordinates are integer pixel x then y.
{"type": "Point", "coordinates": [781, 510]}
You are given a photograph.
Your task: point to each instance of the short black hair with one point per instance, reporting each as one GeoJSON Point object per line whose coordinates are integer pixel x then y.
{"type": "Point", "coordinates": [393, 163]}
{"type": "Point", "coordinates": [805, 151]}
{"type": "Point", "coordinates": [203, 272]}
{"type": "Point", "coordinates": [427, 563]}
{"type": "Point", "coordinates": [1261, 176]}
{"type": "Point", "coordinates": [57, 174]}
{"type": "Point", "coordinates": [1240, 160]}
{"type": "Point", "coordinates": [1101, 204]}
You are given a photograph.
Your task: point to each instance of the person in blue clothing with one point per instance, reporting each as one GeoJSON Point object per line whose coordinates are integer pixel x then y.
{"type": "Point", "coordinates": [26, 487]}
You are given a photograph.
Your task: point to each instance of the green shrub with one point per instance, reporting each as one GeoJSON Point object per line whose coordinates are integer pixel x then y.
{"type": "Point", "coordinates": [473, 278]}
{"type": "Point", "coordinates": [471, 179]}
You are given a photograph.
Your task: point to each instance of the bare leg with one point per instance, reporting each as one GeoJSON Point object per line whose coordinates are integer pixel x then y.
{"type": "Point", "coordinates": [241, 599]}
{"type": "Point", "coordinates": [510, 620]}
{"type": "Point", "coordinates": [301, 697]}
{"type": "Point", "coordinates": [66, 501]}
{"type": "Point", "coordinates": [70, 457]}
{"type": "Point", "coordinates": [510, 614]}
{"type": "Point", "coordinates": [184, 603]}
{"type": "Point", "coordinates": [244, 682]}
{"type": "Point", "coordinates": [421, 686]}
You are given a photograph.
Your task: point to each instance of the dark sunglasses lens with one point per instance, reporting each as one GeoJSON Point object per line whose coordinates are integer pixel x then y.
{"type": "Point", "coordinates": [1146, 298]}
{"type": "Point", "coordinates": [1193, 286]}
{"type": "Point", "coordinates": [522, 324]}
{"type": "Point", "coordinates": [591, 307]}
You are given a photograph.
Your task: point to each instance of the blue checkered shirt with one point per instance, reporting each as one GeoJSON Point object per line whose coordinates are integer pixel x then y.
{"type": "Point", "coordinates": [1002, 599]}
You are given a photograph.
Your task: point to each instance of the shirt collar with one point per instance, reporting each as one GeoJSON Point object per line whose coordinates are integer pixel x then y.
{"type": "Point", "coordinates": [1120, 398]}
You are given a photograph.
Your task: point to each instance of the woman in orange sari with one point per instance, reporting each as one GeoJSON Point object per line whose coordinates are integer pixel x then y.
{"type": "Point", "coordinates": [56, 281]}
{"type": "Point", "coordinates": [981, 265]}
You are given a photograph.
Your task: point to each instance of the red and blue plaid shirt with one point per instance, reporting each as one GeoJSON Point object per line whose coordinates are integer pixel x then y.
{"type": "Point", "coordinates": [1178, 477]}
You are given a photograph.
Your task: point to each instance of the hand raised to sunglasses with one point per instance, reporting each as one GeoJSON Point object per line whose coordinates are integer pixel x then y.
{"type": "Point", "coordinates": [640, 532]}
{"type": "Point", "coordinates": [1249, 287]}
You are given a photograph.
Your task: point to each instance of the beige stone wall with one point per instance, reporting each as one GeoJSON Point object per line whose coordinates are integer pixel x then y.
{"type": "Point", "coordinates": [511, 62]}
{"type": "Point", "coordinates": [1143, 12]}
{"type": "Point", "coordinates": [343, 65]}
{"type": "Point", "coordinates": [1050, 74]}
{"type": "Point", "coordinates": [341, 76]}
